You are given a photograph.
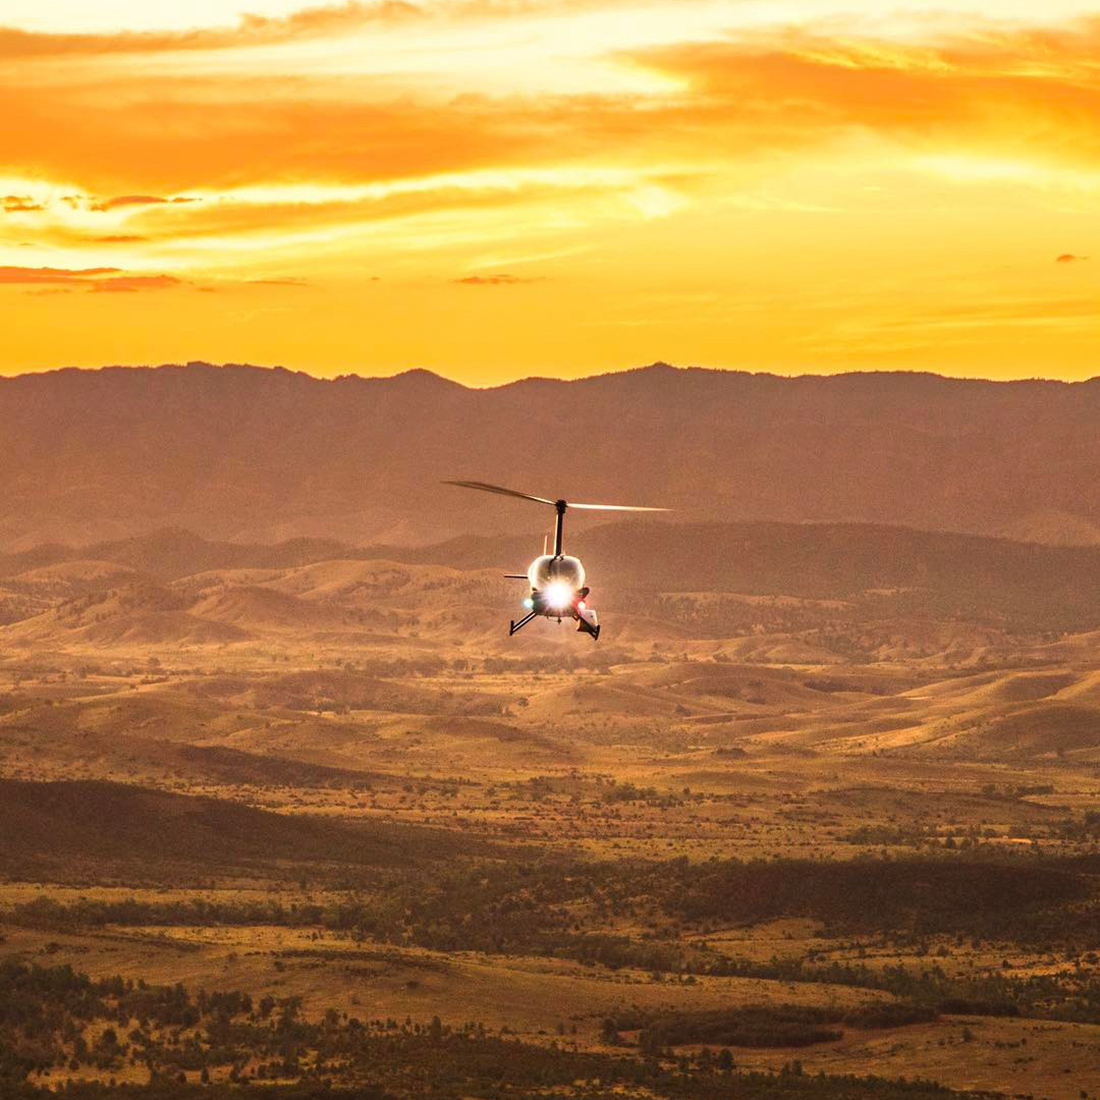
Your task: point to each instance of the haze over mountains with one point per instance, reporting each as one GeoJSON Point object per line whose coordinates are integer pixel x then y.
{"type": "Point", "coordinates": [249, 454]}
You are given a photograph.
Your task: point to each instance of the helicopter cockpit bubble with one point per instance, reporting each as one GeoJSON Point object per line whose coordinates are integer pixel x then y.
{"type": "Point", "coordinates": [563, 569]}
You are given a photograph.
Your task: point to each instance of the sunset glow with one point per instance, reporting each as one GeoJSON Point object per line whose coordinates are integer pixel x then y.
{"type": "Point", "coordinates": [498, 188]}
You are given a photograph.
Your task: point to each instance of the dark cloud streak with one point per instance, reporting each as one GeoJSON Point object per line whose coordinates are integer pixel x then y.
{"type": "Point", "coordinates": [54, 274]}
{"type": "Point", "coordinates": [502, 279]}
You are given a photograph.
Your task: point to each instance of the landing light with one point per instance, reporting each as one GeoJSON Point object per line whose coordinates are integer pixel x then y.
{"type": "Point", "coordinates": [581, 605]}
{"type": "Point", "coordinates": [528, 603]}
{"type": "Point", "coordinates": [559, 595]}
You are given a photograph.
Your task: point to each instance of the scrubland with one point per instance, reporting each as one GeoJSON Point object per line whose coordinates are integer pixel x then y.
{"type": "Point", "coordinates": [313, 824]}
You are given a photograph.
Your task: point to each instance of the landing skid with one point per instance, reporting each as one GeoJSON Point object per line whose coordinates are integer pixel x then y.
{"type": "Point", "coordinates": [514, 627]}
{"type": "Point", "coordinates": [585, 628]}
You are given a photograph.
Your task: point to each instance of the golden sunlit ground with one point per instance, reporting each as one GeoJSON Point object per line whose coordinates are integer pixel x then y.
{"type": "Point", "coordinates": [659, 750]}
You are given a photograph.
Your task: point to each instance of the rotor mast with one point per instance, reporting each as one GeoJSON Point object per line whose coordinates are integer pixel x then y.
{"type": "Point", "coordinates": [559, 526]}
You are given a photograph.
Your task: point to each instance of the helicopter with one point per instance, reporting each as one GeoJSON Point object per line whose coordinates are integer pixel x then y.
{"type": "Point", "coordinates": [556, 580]}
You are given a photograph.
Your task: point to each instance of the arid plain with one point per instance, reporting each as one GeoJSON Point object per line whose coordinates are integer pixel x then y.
{"type": "Point", "coordinates": [338, 780]}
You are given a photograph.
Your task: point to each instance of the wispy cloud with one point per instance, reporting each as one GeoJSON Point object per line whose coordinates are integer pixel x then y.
{"type": "Point", "coordinates": [137, 200]}
{"type": "Point", "coordinates": [98, 280]}
{"type": "Point", "coordinates": [130, 284]}
{"type": "Point", "coordinates": [54, 274]}
{"type": "Point", "coordinates": [20, 204]}
{"type": "Point", "coordinates": [251, 30]}
{"type": "Point", "coordinates": [503, 279]}
{"type": "Point", "coordinates": [1015, 90]}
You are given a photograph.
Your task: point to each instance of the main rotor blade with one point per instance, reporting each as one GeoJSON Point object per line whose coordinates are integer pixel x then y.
{"type": "Point", "coordinates": [486, 488]}
{"type": "Point", "coordinates": [617, 508]}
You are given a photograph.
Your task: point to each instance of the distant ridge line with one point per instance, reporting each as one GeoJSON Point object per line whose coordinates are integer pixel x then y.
{"type": "Point", "coordinates": [413, 374]}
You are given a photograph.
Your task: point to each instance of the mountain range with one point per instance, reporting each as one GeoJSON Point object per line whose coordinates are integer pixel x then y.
{"type": "Point", "coordinates": [243, 453]}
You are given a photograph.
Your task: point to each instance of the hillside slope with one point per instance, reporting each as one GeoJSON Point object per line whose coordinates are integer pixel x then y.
{"type": "Point", "coordinates": [63, 827]}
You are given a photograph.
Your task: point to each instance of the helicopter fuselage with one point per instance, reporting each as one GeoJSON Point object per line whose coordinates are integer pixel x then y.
{"type": "Point", "coordinates": [558, 591]}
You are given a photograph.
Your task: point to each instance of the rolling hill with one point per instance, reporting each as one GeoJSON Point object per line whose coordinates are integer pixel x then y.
{"type": "Point", "coordinates": [700, 579]}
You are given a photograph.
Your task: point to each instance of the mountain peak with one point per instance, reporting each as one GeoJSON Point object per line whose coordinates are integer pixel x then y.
{"type": "Point", "coordinates": [419, 376]}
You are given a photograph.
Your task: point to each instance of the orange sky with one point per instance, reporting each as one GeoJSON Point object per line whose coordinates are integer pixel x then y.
{"type": "Point", "coordinates": [497, 188]}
